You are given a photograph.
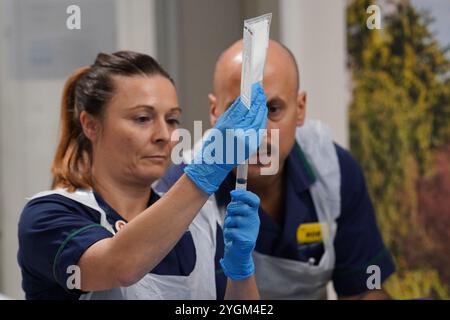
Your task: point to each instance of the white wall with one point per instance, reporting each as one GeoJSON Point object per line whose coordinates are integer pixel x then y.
{"type": "Point", "coordinates": [29, 115]}
{"type": "Point", "coordinates": [136, 26]}
{"type": "Point", "coordinates": [315, 31]}
{"type": "Point", "coordinates": [192, 34]}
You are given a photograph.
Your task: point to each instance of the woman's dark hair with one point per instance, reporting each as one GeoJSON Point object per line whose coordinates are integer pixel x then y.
{"type": "Point", "coordinates": [90, 89]}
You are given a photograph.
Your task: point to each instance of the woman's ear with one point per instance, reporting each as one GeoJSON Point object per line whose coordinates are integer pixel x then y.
{"type": "Point", "coordinates": [212, 100]}
{"type": "Point", "coordinates": [301, 107]}
{"type": "Point", "coordinates": [90, 126]}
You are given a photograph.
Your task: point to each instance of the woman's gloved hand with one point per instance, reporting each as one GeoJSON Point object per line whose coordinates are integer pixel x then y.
{"type": "Point", "coordinates": [240, 231]}
{"type": "Point", "coordinates": [208, 173]}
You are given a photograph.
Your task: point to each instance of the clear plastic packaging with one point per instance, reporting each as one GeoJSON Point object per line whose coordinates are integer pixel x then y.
{"type": "Point", "coordinates": [256, 42]}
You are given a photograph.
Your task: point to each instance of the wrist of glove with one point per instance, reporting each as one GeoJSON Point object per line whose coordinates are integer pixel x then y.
{"type": "Point", "coordinates": [240, 231]}
{"type": "Point", "coordinates": [213, 162]}
{"type": "Point", "coordinates": [237, 271]}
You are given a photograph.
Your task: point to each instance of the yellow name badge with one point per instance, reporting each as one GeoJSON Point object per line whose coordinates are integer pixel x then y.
{"type": "Point", "coordinates": [311, 232]}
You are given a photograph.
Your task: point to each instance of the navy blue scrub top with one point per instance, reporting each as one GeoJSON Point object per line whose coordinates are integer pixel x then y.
{"type": "Point", "coordinates": [54, 232]}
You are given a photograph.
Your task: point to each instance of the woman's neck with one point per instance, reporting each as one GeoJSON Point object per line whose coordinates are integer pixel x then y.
{"type": "Point", "coordinates": [126, 199]}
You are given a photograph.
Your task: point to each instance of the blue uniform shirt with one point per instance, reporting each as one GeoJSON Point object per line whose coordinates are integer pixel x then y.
{"type": "Point", "coordinates": [357, 244]}
{"type": "Point", "coordinates": [54, 232]}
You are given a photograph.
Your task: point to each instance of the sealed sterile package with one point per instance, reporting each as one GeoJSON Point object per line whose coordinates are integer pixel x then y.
{"type": "Point", "coordinates": [256, 42]}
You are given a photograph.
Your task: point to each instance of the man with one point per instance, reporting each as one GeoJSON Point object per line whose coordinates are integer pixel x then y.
{"type": "Point", "coordinates": [317, 220]}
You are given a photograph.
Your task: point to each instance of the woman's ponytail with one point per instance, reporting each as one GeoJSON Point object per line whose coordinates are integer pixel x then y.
{"type": "Point", "coordinates": [71, 165]}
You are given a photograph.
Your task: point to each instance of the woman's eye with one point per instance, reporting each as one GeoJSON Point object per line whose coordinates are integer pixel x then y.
{"type": "Point", "coordinates": [142, 119]}
{"type": "Point", "coordinates": [173, 121]}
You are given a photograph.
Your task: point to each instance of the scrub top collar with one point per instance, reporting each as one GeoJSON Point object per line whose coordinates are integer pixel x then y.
{"type": "Point", "coordinates": [113, 214]}
{"type": "Point", "coordinates": [298, 173]}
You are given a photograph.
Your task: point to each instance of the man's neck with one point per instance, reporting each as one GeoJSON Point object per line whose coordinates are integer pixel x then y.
{"type": "Point", "coordinates": [270, 190]}
{"type": "Point", "coordinates": [126, 199]}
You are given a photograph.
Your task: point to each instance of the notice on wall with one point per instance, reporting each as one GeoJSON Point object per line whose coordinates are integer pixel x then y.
{"type": "Point", "coordinates": [41, 44]}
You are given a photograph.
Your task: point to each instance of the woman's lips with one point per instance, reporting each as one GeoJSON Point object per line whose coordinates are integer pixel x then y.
{"type": "Point", "coordinates": [157, 157]}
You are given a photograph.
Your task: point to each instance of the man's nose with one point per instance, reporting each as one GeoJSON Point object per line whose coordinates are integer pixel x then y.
{"type": "Point", "coordinates": [269, 128]}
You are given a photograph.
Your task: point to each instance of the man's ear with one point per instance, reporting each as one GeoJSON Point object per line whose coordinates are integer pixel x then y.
{"type": "Point", "coordinates": [301, 107]}
{"type": "Point", "coordinates": [90, 126]}
{"type": "Point", "coordinates": [212, 100]}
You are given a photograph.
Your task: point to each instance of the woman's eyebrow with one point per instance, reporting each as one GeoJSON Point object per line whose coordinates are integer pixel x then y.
{"type": "Point", "coordinates": [143, 106]}
{"type": "Point", "coordinates": [176, 109]}
{"type": "Point", "coordinates": [152, 108]}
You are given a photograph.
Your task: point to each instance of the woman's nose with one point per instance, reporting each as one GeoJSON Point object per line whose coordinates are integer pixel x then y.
{"type": "Point", "coordinates": [161, 132]}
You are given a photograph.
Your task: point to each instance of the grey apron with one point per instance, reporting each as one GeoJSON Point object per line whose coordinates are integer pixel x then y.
{"type": "Point", "coordinates": [279, 278]}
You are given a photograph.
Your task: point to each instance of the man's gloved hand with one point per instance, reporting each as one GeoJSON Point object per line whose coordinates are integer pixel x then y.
{"type": "Point", "coordinates": [240, 231]}
{"type": "Point", "coordinates": [205, 171]}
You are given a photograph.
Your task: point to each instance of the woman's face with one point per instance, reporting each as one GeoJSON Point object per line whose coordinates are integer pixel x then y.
{"type": "Point", "coordinates": [134, 144]}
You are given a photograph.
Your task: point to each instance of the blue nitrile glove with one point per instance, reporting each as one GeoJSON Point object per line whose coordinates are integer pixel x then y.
{"type": "Point", "coordinates": [240, 231]}
{"type": "Point", "coordinates": [207, 173]}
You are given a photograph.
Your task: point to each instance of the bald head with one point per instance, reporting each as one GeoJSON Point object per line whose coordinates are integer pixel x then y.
{"type": "Point", "coordinates": [279, 60]}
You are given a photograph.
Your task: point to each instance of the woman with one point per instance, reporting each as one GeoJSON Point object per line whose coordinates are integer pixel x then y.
{"type": "Point", "coordinates": [102, 232]}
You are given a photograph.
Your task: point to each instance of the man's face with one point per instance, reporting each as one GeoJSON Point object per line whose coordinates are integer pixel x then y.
{"type": "Point", "coordinates": [286, 107]}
